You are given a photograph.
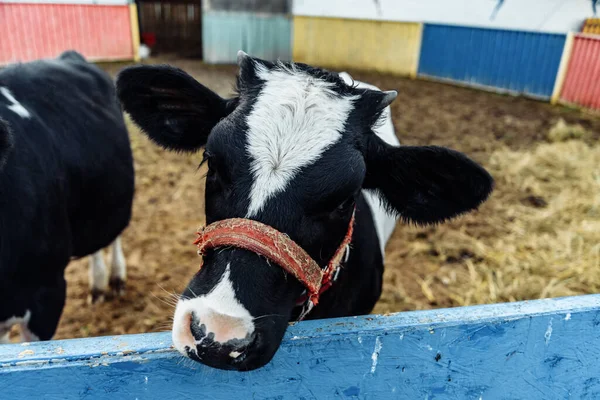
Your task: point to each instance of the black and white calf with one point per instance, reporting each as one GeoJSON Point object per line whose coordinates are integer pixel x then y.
{"type": "Point", "coordinates": [297, 149]}
{"type": "Point", "coordinates": [66, 186]}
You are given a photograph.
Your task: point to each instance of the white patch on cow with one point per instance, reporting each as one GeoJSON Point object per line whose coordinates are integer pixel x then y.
{"type": "Point", "coordinates": [383, 221]}
{"type": "Point", "coordinates": [235, 354]}
{"type": "Point", "coordinates": [118, 267]}
{"type": "Point", "coordinates": [294, 120]}
{"type": "Point", "coordinates": [27, 335]}
{"type": "Point", "coordinates": [15, 106]}
{"type": "Point", "coordinates": [23, 321]}
{"type": "Point", "coordinates": [219, 311]}
{"type": "Point", "coordinates": [98, 272]}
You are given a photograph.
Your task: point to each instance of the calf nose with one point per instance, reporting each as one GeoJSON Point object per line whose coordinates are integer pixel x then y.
{"type": "Point", "coordinates": [200, 333]}
{"type": "Point", "coordinates": [219, 328]}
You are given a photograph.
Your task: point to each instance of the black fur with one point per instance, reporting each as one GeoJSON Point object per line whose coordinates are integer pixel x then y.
{"type": "Point", "coordinates": [174, 110]}
{"type": "Point", "coordinates": [425, 184]}
{"type": "Point", "coordinates": [6, 142]}
{"type": "Point", "coordinates": [66, 189]}
{"type": "Point", "coordinates": [421, 184]}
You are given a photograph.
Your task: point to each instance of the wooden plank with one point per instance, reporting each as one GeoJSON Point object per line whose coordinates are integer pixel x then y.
{"type": "Point", "coordinates": [135, 31]}
{"type": "Point", "coordinates": [562, 69]}
{"type": "Point", "coordinates": [544, 349]}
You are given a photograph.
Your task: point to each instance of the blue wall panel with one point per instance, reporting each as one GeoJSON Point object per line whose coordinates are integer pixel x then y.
{"type": "Point", "coordinates": [515, 61]}
{"type": "Point", "coordinates": [266, 36]}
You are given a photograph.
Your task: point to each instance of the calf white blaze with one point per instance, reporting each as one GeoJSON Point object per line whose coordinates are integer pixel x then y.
{"type": "Point", "coordinates": [293, 121]}
{"type": "Point", "coordinates": [219, 311]}
{"type": "Point", "coordinates": [15, 107]}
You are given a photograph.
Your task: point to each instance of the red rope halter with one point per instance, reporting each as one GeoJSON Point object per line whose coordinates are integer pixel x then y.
{"type": "Point", "coordinates": [278, 247]}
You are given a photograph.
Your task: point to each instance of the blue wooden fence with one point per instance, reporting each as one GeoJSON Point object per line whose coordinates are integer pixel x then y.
{"type": "Point", "coordinates": [544, 349]}
{"type": "Point", "coordinates": [514, 61]}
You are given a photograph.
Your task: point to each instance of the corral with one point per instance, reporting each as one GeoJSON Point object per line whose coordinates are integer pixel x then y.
{"type": "Point", "coordinates": [536, 238]}
{"type": "Point", "coordinates": [507, 251]}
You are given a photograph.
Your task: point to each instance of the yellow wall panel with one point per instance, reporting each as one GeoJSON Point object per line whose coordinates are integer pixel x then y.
{"type": "Point", "coordinates": [391, 47]}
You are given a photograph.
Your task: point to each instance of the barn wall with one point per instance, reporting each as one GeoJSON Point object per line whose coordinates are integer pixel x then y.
{"type": "Point", "coordinates": [30, 31]}
{"type": "Point", "coordinates": [502, 60]}
{"type": "Point", "coordinates": [391, 47]}
{"type": "Point", "coordinates": [556, 16]}
{"type": "Point", "coordinates": [582, 81]}
{"type": "Point", "coordinates": [266, 36]}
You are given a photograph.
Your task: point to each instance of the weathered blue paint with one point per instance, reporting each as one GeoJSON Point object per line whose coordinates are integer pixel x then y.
{"type": "Point", "coordinates": [545, 349]}
{"type": "Point", "coordinates": [266, 36]}
{"type": "Point", "coordinates": [512, 61]}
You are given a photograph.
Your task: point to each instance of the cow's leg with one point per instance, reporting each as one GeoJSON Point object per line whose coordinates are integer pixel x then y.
{"type": "Point", "coordinates": [98, 278]}
{"type": "Point", "coordinates": [46, 309]}
{"type": "Point", "coordinates": [118, 270]}
{"type": "Point", "coordinates": [4, 339]}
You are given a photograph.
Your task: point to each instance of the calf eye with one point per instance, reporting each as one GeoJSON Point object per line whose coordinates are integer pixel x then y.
{"type": "Point", "coordinates": [346, 205]}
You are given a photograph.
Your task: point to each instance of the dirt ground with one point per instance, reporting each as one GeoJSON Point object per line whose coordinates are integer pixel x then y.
{"type": "Point", "coordinates": [454, 264]}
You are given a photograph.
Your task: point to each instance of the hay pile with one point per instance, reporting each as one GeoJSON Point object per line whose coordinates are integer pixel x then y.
{"type": "Point", "coordinates": [538, 236]}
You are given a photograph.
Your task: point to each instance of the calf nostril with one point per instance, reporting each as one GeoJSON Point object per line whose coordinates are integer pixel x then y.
{"type": "Point", "coordinates": [197, 328]}
{"type": "Point", "coordinates": [209, 326]}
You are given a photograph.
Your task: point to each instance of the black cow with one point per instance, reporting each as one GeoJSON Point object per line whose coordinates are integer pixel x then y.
{"type": "Point", "coordinates": [66, 186]}
{"type": "Point", "coordinates": [298, 149]}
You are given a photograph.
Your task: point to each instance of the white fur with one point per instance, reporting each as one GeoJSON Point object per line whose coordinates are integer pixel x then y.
{"type": "Point", "coordinates": [118, 266]}
{"type": "Point", "coordinates": [295, 119]}
{"type": "Point", "coordinates": [211, 309]}
{"type": "Point", "coordinates": [384, 222]}
{"type": "Point", "coordinates": [26, 334]}
{"type": "Point", "coordinates": [15, 107]}
{"type": "Point", "coordinates": [98, 272]}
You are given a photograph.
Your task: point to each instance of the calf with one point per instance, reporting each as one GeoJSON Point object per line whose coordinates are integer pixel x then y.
{"type": "Point", "coordinates": [302, 162]}
{"type": "Point", "coordinates": [66, 186]}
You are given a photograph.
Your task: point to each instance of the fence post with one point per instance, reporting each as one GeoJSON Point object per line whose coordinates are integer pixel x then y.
{"type": "Point", "coordinates": [563, 68]}
{"type": "Point", "coordinates": [135, 31]}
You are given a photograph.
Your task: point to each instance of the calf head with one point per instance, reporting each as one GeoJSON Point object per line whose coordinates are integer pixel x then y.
{"type": "Point", "coordinates": [292, 150]}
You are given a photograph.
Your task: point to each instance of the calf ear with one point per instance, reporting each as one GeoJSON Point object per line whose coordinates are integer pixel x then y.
{"type": "Point", "coordinates": [425, 185]}
{"type": "Point", "coordinates": [171, 107]}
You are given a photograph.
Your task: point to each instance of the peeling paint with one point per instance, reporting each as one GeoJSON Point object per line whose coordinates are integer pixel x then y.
{"type": "Point", "coordinates": [298, 337]}
{"type": "Point", "coordinates": [26, 353]}
{"type": "Point", "coordinates": [548, 333]}
{"type": "Point", "coordinates": [375, 355]}
{"type": "Point", "coordinates": [360, 340]}
{"type": "Point", "coordinates": [568, 316]}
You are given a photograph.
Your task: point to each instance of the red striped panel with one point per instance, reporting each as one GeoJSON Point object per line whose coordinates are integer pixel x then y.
{"type": "Point", "coordinates": [31, 31]}
{"type": "Point", "coordinates": [582, 82]}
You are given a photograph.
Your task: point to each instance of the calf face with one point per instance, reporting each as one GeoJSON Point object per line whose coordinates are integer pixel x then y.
{"type": "Point", "coordinates": [292, 150]}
